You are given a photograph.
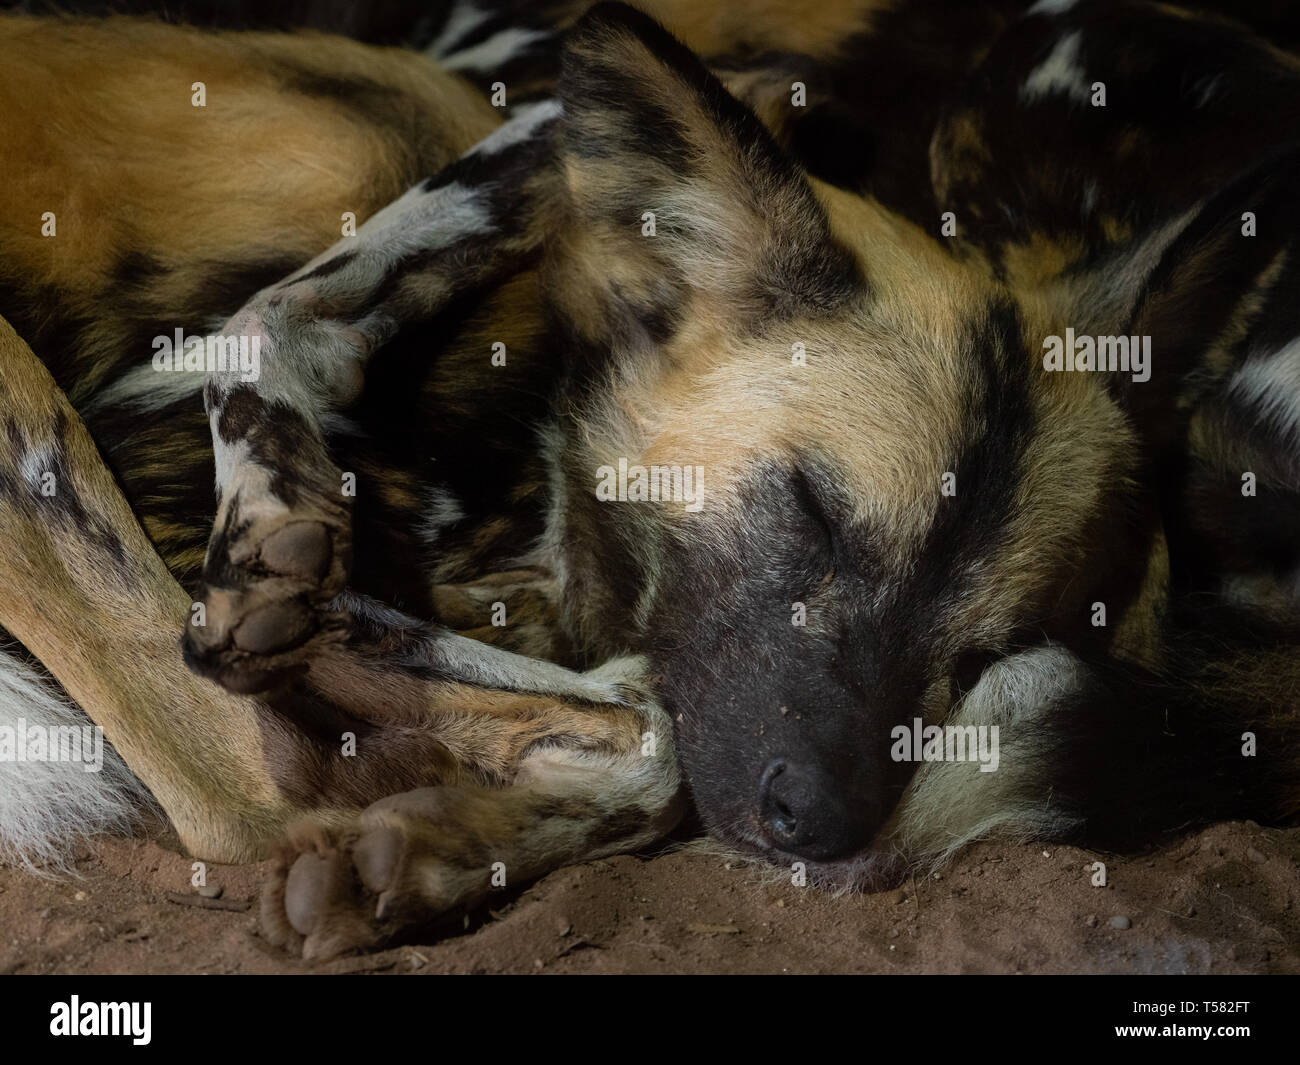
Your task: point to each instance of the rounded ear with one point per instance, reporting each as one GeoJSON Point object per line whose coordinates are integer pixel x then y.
{"type": "Point", "coordinates": [675, 188]}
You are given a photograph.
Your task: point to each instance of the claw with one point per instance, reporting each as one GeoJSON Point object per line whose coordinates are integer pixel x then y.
{"type": "Point", "coordinates": [378, 856]}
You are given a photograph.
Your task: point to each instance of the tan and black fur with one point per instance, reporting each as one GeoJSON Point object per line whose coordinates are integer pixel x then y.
{"type": "Point", "coordinates": [328, 614]}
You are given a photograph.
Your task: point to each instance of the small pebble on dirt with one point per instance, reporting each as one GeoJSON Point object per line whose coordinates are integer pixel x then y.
{"type": "Point", "coordinates": [1091, 920]}
{"type": "Point", "coordinates": [211, 891]}
{"type": "Point", "coordinates": [1120, 921]}
{"type": "Point", "coordinates": [1254, 855]}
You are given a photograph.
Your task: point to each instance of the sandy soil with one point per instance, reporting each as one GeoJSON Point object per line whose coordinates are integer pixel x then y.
{"type": "Point", "coordinates": [1225, 900]}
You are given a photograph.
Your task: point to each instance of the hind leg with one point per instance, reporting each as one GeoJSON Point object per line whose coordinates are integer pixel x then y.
{"type": "Point", "coordinates": [547, 768]}
{"type": "Point", "coordinates": [84, 590]}
{"type": "Point", "coordinates": [412, 859]}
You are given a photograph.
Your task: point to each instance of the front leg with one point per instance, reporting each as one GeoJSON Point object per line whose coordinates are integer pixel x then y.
{"type": "Point", "coordinates": [280, 550]}
{"type": "Point", "coordinates": [85, 591]}
{"type": "Point", "coordinates": [543, 768]}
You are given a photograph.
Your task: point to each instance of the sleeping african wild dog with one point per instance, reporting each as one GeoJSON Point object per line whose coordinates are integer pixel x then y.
{"type": "Point", "coordinates": [881, 453]}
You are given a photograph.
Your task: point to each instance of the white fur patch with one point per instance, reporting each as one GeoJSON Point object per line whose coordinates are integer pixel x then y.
{"type": "Point", "coordinates": [35, 464]}
{"type": "Point", "coordinates": [491, 667]}
{"type": "Point", "coordinates": [1051, 7]}
{"type": "Point", "coordinates": [145, 389]}
{"type": "Point", "coordinates": [1271, 385]}
{"type": "Point", "coordinates": [48, 807]}
{"type": "Point", "coordinates": [496, 51]}
{"type": "Point", "coordinates": [440, 509]}
{"type": "Point", "coordinates": [417, 221]}
{"type": "Point", "coordinates": [227, 458]}
{"type": "Point", "coordinates": [316, 364]}
{"type": "Point", "coordinates": [1060, 72]}
{"type": "Point", "coordinates": [1019, 686]}
{"type": "Point", "coordinates": [463, 20]}
{"type": "Point", "coordinates": [522, 125]}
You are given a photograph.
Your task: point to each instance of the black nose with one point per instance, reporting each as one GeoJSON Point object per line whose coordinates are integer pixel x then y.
{"type": "Point", "coordinates": [805, 813]}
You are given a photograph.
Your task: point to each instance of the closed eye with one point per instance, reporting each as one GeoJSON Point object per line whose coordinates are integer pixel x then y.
{"type": "Point", "coordinates": [825, 549]}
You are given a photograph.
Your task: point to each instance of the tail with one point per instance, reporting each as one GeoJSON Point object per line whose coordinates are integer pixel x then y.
{"type": "Point", "coordinates": [47, 806]}
{"type": "Point", "coordinates": [1109, 755]}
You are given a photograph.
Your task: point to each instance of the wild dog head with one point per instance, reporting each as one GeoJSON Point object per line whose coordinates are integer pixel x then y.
{"type": "Point", "coordinates": [808, 463]}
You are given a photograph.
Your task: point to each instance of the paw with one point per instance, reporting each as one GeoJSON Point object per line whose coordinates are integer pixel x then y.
{"type": "Point", "coordinates": [270, 582]}
{"type": "Point", "coordinates": [409, 864]}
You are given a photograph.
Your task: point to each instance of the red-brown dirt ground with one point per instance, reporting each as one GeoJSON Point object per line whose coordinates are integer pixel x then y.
{"type": "Point", "coordinates": [1223, 900]}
